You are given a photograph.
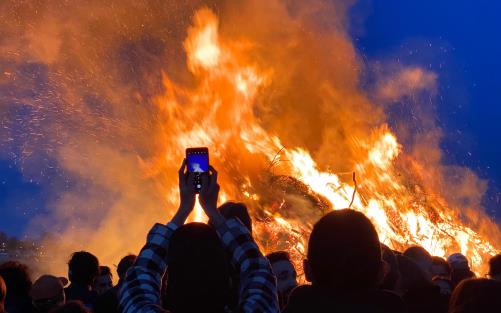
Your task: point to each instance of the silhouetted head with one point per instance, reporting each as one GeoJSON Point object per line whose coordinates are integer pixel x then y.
{"type": "Point", "coordinates": [495, 267]}
{"type": "Point", "coordinates": [3, 293]}
{"type": "Point", "coordinates": [17, 279]}
{"type": "Point", "coordinates": [476, 295]}
{"type": "Point", "coordinates": [47, 292]}
{"type": "Point", "coordinates": [440, 267]}
{"type": "Point", "coordinates": [125, 263]}
{"type": "Point", "coordinates": [344, 252]}
{"type": "Point", "coordinates": [421, 257]}
{"type": "Point", "coordinates": [239, 210]}
{"type": "Point", "coordinates": [285, 273]}
{"type": "Point", "coordinates": [392, 274]}
{"type": "Point", "coordinates": [83, 267]}
{"type": "Point", "coordinates": [460, 269]}
{"type": "Point", "coordinates": [198, 277]}
{"type": "Point", "coordinates": [104, 281]}
{"type": "Point", "coordinates": [458, 261]}
{"type": "Point", "coordinates": [411, 275]}
{"type": "Point", "coordinates": [71, 307]}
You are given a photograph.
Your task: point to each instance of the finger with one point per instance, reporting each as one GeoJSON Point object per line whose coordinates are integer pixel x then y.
{"type": "Point", "coordinates": [212, 170]}
{"type": "Point", "coordinates": [213, 177]}
{"type": "Point", "coordinates": [181, 170]}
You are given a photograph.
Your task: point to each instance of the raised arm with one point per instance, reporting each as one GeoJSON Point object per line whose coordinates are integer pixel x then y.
{"type": "Point", "coordinates": [258, 290]}
{"type": "Point", "coordinates": [141, 289]}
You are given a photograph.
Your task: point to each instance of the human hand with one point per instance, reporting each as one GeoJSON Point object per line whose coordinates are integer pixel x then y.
{"type": "Point", "coordinates": [209, 195]}
{"type": "Point", "coordinates": [187, 195]}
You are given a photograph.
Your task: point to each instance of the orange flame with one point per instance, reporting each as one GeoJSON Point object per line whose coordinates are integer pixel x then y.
{"type": "Point", "coordinates": [222, 116]}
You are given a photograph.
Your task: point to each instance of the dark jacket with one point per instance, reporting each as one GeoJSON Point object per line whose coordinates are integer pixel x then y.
{"type": "Point", "coordinates": [74, 292]}
{"type": "Point", "coordinates": [426, 298]}
{"type": "Point", "coordinates": [107, 302]}
{"type": "Point", "coordinates": [312, 299]}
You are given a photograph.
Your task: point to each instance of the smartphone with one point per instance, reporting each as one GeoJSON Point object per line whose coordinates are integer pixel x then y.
{"type": "Point", "coordinates": [197, 160]}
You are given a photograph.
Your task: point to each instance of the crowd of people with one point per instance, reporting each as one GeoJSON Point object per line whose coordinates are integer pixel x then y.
{"type": "Point", "coordinates": [218, 267]}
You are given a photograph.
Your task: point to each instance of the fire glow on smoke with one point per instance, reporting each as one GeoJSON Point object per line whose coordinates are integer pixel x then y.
{"type": "Point", "coordinates": [273, 90]}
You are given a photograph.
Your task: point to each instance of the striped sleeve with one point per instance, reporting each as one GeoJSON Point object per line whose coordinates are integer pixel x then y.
{"type": "Point", "coordinates": [140, 291]}
{"type": "Point", "coordinates": [258, 290]}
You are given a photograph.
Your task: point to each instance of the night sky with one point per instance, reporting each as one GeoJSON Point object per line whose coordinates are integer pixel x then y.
{"type": "Point", "coordinates": [458, 40]}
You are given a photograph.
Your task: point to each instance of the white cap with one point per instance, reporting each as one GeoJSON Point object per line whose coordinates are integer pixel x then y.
{"type": "Point", "coordinates": [457, 260]}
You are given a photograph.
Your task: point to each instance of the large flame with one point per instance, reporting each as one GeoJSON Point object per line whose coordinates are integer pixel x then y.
{"type": "Point", "coordinates": [223, 119]}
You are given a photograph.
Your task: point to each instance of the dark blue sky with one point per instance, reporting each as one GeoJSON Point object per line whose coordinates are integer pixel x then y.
{"type": "Point", "coordinates": [459, 40]}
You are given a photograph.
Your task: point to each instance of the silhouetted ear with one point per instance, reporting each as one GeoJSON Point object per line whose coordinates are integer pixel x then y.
{"type": "Point", "coordinates": [307, 271]}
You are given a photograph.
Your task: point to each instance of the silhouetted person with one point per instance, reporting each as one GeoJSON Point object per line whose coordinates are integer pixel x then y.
{"type": "Point", "coordinates": [239, 210]}
{"type": "Point", "coordinates": [392, 273]}
{"type": "Point", "coordinates": [83, 267]}
{"type": "Point", "coordinates": [108, 302]}
{"type": "Point", "coordinates": [197, 269]}
{"type": "Point", "coordinates": [3, 294]}
{"type": "Point", "coordinates": [47, 293]}
{"type": "Point", "coordinates": [417, 289]}
{"type": "Point", "coordinates": [476, 296]}
{"type": "Point", "coordinates": [495, 267]}
{"type": "Point", "coordinates": [440, 268]}
{"type": "Point", "coordinates": [178, 245]}
{"type": "Point", "coordinates": [345, 267]}
{"type": "Point", "coordinates": [17, 279]}
{"type": "Point", "coordinates": [460, 269]}
{"type": "Point", "coordinates": [285, 273]}
{"type": "Point", "coordinates": [71, 307]}
{"type": "Point", "coordinates": [104, 281]}
{"type": "Point", "coordinates": [421, 257]}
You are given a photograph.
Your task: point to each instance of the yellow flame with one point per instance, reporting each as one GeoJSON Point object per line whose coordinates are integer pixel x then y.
{"type": "Point", "coordinates": [203, 41]}
{"type": "Point", "coordinates": [226, 94]}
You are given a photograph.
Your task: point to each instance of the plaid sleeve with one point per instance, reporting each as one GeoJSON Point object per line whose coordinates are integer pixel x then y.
{"type": "Point", "coordinates": [258, 289]}
{"type": "Point", "coordinates": [140, 291]}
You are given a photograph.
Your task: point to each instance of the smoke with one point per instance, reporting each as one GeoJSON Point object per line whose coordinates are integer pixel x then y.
{"type": "Point", "coordinates": [80, 87]}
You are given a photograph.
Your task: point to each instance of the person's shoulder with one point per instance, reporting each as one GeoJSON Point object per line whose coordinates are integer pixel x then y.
{"type": "Point", "coordinates": [303, 298]}
{"type": "Point", "coordinates": [107, 302]}
{"type": "Point", "coordinates": [389, 301]}
{"type": "Point", "coordinates": [302, 292]}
